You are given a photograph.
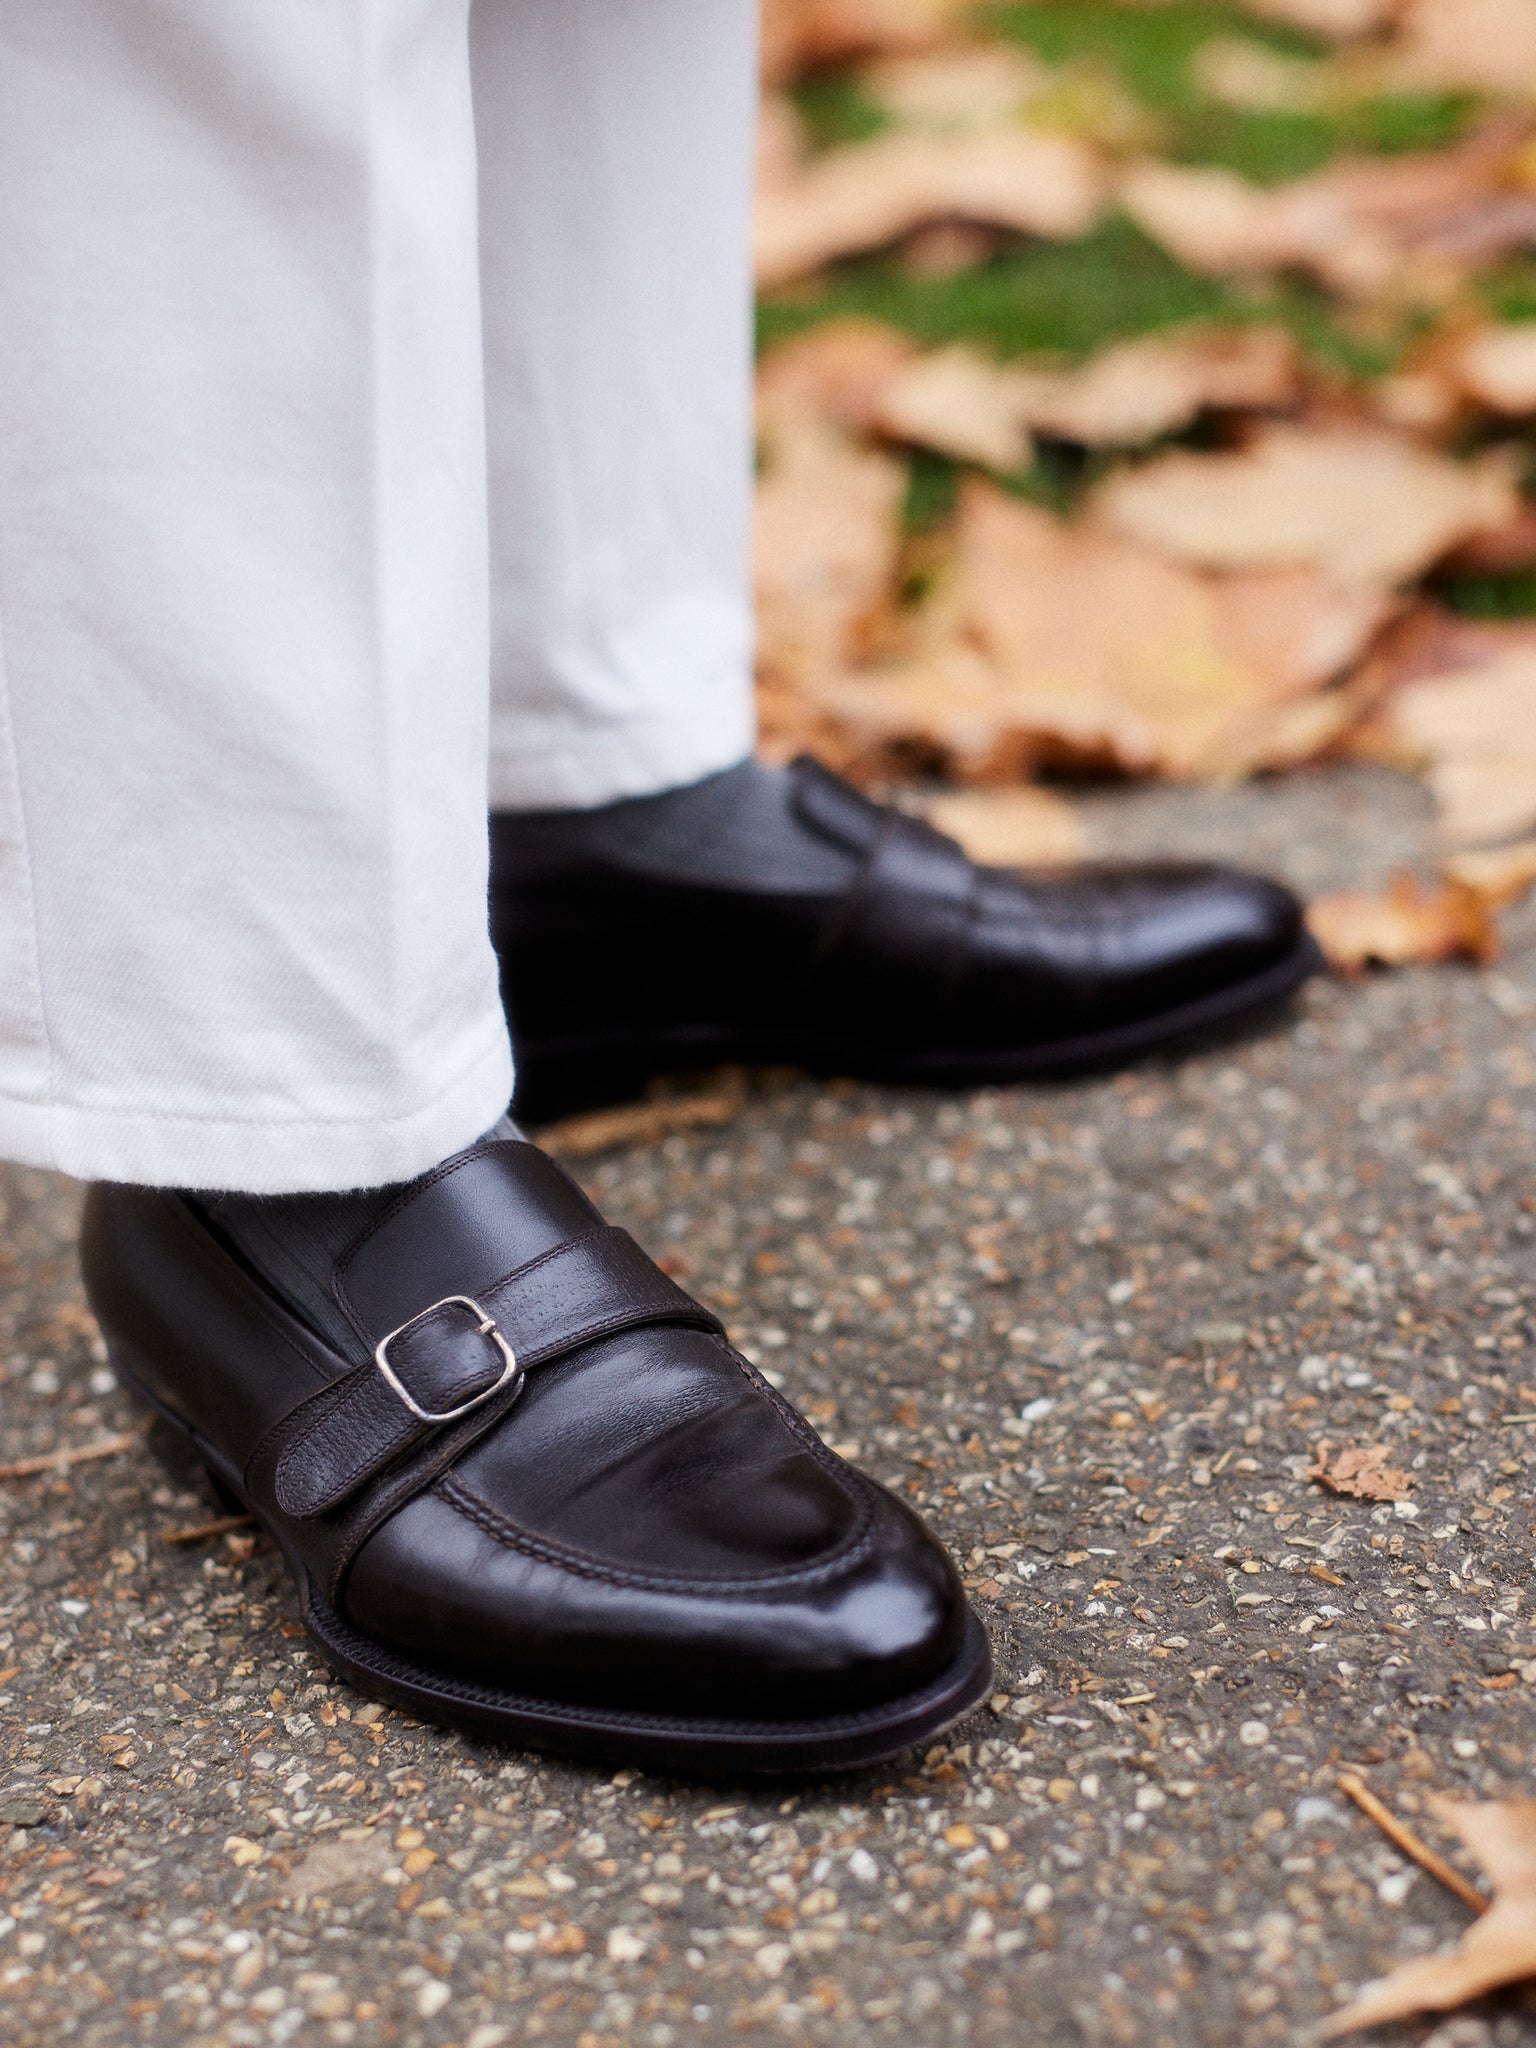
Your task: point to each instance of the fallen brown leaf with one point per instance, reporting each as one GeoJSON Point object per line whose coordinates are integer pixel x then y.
{"type": "Point", "coordinates": [826, 549]}
{"type": "Point", "coordinates": [1140, 389]}
{"type": "Point", "coordinates": [1500, 875]}
{"type": "Point", "coordinates": [781, 142]}
{"type": "Point", "coordinates": [1336, 18]}
{"type": "Point", "coordinates": [841, 371]}
{"type": "Point", "coordinates": [1497, 1949]}
{"type": "Point", "coordinates": [1474, 733]}
{"type": "Point", "coordinates": [967, 85]}
{"type": "Point", "coordinates": [868, 195]}
{"type": "Point", "coordinates": [1407, 923]}
{"type": "Point", "coordinates": [340, 1863]}
{"type": "Point", "coordinates": [1049, 643]}
{"type": "Point", "coordinates": [800, 34]}
{"type": "Point", "coordinates": [1495, 550]}
{"type": "Point", "coordinates": [1363, 504]}
{"type": "Point", "coordinates": [1009, 828]}
{"type": "Point", "coordinates": [1497, 368]}
{"type": "Point", "coordinates": [961, 404]}
{"type": "Point", "coordinates": [1359, 1470]}
{"type": "Point", "coordinates": [1426, 640]}
{"type": "Point", "coordinates": [1477, 45]}
{"type": "Point", "coordinates": [1366, 226]}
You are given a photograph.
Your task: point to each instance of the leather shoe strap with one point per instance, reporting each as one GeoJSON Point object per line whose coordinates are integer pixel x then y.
{"type": "Point", "coordinates": [458, 1353]}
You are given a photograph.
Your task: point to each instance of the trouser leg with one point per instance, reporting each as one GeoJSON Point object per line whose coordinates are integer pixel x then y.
{"type": "Point", "coordinates": [242, 593]}
{"type": "Point", "coordinates": [615, 145]}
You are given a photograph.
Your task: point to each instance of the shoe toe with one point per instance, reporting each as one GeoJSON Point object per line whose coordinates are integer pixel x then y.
{"type": "Point", "coordinates": [1216, 924]}
{"type": "Point", "coordinates": [439, 1588]}
{"type": "Point", "coordinates": [690, 1548]}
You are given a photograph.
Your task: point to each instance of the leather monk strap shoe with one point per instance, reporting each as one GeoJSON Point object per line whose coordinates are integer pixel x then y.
{"type": "Point", "coordinates": [524, 1484]}
{"type": "Point", "coordinates": [925, 968]}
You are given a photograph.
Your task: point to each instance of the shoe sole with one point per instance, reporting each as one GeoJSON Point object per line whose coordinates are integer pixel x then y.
{"type": "Point", "coordinates": [695, 1744]}
{"type": "Point", "coordinates": [558, 1076]}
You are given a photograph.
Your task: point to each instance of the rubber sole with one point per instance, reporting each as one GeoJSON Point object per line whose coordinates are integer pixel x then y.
{"type": "Point", "coordinates": [694, 1745]}
{"type": "Point", "coordinates": [557, 1077]}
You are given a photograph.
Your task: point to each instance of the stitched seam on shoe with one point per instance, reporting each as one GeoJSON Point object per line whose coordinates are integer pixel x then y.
{"type": "Point", "coordinates": [406, 1479]}
{"type": "Point", "coordinates": [859, 1493]}
{"type": "Point", "coordinates": [402, 1202]}
{"type": "Point", "coordinates": [456, 1495]}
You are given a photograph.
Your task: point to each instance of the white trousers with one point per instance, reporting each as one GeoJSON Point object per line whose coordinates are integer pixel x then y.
{"type": "Point", "coordinates": [374, 434]}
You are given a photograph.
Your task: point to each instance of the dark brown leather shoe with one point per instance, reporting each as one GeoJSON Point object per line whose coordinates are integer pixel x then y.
{"type": "Point", "coordinates": [926, 968]}
{"type": "Point", "coordinates": [526, 1486]}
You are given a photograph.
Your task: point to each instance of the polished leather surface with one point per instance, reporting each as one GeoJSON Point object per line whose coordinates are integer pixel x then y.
{"type": "Point", "coordinates": [635, 1520]}
{"type": "Point", "coordinates": [924, 954]}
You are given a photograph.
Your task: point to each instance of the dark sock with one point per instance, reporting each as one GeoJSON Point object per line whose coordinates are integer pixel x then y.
{"type": "Point", "coordinates": [294, 1241]}
{"type": "Point", "coordinates": [738, 829]}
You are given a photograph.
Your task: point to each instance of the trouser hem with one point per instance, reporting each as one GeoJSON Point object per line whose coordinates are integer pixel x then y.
{"type": "Point", "coordinates": [260, 1158]}
{"type": "Point", "coordinates": [593, 768]}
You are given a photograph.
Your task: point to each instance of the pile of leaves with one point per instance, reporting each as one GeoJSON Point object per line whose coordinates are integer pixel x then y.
{"type": "Point", "coordinates": [1148, 387]}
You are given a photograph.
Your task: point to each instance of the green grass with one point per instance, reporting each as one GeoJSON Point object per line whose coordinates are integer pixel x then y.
{"type": "Point", "coordinates": [1509, 595]}
{"type": "Point", "coordinates": [1151, 48]}
{"type": "Point", "coordinates": [1068, 297]}
{"type": "Point", "coordinates": [1062, 298]}
{"type": "Point", "coordinates": [1510, 292]}
{"type": "Point", "coordinates": [1271, 147]}
{"type": "Point", "coordinates": [1151, 51]}
{"type": "Point", "coordinates": [835, 109]}
{"type": "Point", "coordinates": [931, 485]}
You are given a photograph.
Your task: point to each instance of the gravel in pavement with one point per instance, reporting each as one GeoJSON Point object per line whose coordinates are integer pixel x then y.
{"type": "Point", "coordinates": [1095, 1332]}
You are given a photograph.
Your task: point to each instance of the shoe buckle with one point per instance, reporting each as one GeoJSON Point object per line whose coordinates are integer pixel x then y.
{"type": "Point", "coordinates": [511, 1370]}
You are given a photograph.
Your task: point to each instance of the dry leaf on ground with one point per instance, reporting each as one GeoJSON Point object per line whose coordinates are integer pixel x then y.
{"type": "Point", "coordinates": [1495, 550]}
{"type": "Point", "coordinates": [1427, 640]}
{"type": "Point", "coordinates": [1360, 1470]}
{"type": "Point", "coordinates": [1474, 733]}
{"type": "Point", "coordinates": [970, 85]}
{"type": "Point", "coordinates": [1066, 644]}
{"type": "Point", "coordinates": [1336, 18]}
{"type": "Point", "coordinates": [800, 34]}
{"type": "Point", "coordinates": [1407, 923]}
{"type": "Point", "coordinates": [842, 371]}
{"type": "Point", "coordinates": [1365, 225]}
{"type": "Point", "coordinates": [1140, 389]}
{"type": "Point", "coordinates": [1500, 874]}
{"type": "Point", "coordinates": [1010, 828]}
{"type": "Point", "coordinates": [1497, 368]}
{"type": "Point", "coordinates": [1365, 505]}
{"type": "Point", "coordinates": [781, 143]}
{"type": "Point", "coordinates": [868, 195]}
{"type": "Point", "coordinates": [1476, 45]}
{"type": "Point", "coordinates": [340, 1863]}
{"type": "Point", "coordinates": [825, 551]}
{"type": "Point", "coordinates": [960, 403]}
{"type": "Point", "coordinates": [1497, 1949]}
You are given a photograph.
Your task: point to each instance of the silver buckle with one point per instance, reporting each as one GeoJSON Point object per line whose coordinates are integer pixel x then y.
{"type": "Point", "coordinates": [510, 1371]}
